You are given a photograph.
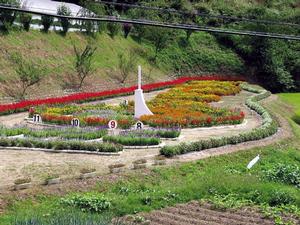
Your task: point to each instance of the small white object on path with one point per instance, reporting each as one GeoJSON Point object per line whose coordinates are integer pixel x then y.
{"type": "Point", "coordinates": [253, 162]}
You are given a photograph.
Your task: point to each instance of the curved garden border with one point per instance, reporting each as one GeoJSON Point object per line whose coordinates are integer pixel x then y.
{"type": "Point", "coordinates": [268, 128]}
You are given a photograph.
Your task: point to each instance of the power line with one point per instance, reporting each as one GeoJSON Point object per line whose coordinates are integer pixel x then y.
{"type": "Point", "coordinates": [160, 24]}
{"type": "Point", "coordinates": [170, 10]}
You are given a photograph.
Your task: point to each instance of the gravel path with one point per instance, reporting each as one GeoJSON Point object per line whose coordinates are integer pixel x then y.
{"type": "Point", "coordinates": [15, 164]}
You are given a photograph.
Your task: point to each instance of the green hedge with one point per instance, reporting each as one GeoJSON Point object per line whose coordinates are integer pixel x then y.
{"type": "Point", "coordinates": [132, 140]}
{"type": "Point", "coordinates": [268, 128]}
{"type": "Point", "coordinates": [61, 145]}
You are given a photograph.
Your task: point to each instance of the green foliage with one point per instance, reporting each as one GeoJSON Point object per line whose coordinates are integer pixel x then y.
{"type": "Point", "coordinates": [84, 62]}
{"type": "Point", "coordinates": [131, 140]}
{"type": "Point", "coordinates": [7, 17]}
{"type": "Point", "coordinates": [113, 29]}
{"type": "Point", "coordinates": [25, 19]}
{"type": "Point", "coordinates": [46, 21]}
{"type": "Point", "coordinates": [64, 10]}
{"type": "Point", "coordinates": [91, 202]}
{"type": "Point", "coordinates": [29, 73]}
{"type": "Point", "coordinates": [67, 218]}
{"type": "Point", "coordinates": [61, 145]}
{"type": "Point", "coordinates": [288, 174]}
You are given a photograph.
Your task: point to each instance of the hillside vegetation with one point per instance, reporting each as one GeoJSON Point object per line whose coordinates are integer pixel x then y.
{"type": "Point", "coordinates": [163, 53]}
{"type": "Point", "coordinates": [56, 53]}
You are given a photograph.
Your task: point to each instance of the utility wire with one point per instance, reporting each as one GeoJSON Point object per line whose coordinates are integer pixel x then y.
{"type": "Point", "coordinates": [159, 24]}
{"type": "Point", "coordinates": [170, 10]}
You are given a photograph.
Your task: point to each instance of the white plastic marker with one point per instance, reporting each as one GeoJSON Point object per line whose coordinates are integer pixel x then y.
{"type": "Point", "coordinates": [253, 162]}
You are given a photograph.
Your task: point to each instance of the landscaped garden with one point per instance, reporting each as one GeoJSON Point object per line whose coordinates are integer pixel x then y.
{"type": "Point", "coordinates": [185, 105]}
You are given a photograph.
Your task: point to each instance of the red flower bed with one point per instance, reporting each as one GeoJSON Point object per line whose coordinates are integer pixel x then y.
{"type": "Point", "coordinates": [89, 96]}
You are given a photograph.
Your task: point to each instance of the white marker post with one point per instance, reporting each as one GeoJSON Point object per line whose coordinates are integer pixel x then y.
{"type": "Point", "coordinates": [253, 162]}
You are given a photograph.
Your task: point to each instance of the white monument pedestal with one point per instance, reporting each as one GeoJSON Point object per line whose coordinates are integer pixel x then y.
{"type": "Point", "coordinates": [140, 107]}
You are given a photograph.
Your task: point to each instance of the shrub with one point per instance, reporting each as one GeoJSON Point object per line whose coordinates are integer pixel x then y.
{"type": "Point", "coordinates": [46, 21]}
{"type": "Point", "coordinates": [113, 29]}
{"type": "Point", "coordinates": [92, 202]}
{"type": "Point", "coordinates": [25, 19]}
{"type": "Point", "coordinates": [64, 10]}
{"type": "Point", "coordinates": [132, 140]}
{"type": "Point", "coordinates": [280, 198]}
{"type": "Point", "coordinates": [288, 174]}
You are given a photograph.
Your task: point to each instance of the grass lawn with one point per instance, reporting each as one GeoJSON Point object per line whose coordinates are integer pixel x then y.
{"type": "Point", "coordinates": [291, 98]}
{"type": "Point", "coordinates": [223, 180]}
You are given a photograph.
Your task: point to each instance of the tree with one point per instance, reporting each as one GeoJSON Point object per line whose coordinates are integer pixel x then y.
{"type": "Point", "coordinates": [125, 66]}
{"type": "Point", "coordinates": [113, 29]}
{"type": "Point", "coordinates": [64, 10]}
{"type": "Point", "coordinates": [83, 63]}
{"type": "Point", "coordinates": [28, 74]}
{"type": "Point", "coordinates": [25, 18]}
{"type": "Point", "coordinates": [160, 37]}
{"type": "Point", "coordinates": [127, 28]}
{"type": "Point", "coordinates": [46, 21]}
{"type": "Point", "coordinates": [8, 17]}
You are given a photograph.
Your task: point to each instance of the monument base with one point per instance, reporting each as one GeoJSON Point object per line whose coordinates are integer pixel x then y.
{"type": "Point", "coordinates": [140, 107]}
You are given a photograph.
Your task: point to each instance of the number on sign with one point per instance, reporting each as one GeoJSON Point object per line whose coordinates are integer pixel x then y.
{"type": "Point", "coordinates": [75, 122]}
{"type": "Point", "coordinates": [112, 124]}
{"type": "Point", "coordinates": [139, 125]}
{"type": "Point", "coordinates": [37, 118]}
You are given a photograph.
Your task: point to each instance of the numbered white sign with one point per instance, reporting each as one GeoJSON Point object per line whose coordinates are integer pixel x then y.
{"type": "Point", "coordinates": [139, 125]}
{"type": "Point", "coordinates": [112, 124]}
{"type": "Point", "coordinates": [75, 122]}
{"type": "Point", "coordinates": [125, 102]}
{"type": "Point", "coordinates": [37, 118]}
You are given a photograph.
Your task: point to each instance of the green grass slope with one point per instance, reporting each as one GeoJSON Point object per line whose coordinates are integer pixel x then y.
{"type": "Point", "coordinates": [56, 52]}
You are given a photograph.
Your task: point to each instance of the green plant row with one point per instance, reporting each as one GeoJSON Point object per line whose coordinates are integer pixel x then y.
{"type": "Point", "coordinates": [65, 133]}
{"type": "Point", "coordinates": [61, 145]}
{"type": "Point", "coordinates": [268, 128]}
{"type": "Point", "coordinates": [132, 140]}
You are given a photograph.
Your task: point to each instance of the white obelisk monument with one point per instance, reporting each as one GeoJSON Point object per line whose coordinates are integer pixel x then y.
{"type": "Point", "coordinates": [140, 107]}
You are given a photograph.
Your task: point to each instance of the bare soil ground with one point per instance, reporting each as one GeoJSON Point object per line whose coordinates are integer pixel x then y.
{"type": "Point", "coordinates": [204, 214]}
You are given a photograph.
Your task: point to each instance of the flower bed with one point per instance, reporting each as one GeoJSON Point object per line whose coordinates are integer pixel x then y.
{"type": "Point", "coordinates": [187, 105]}
{"type": "Point", "coordinates": [62, 133]}
{"type": "Point", "coordinates": [268, 128]}
{"type": "Point", "coordinates": [91, 96]}
{"type": "Point", "coordinates": [61, 145]}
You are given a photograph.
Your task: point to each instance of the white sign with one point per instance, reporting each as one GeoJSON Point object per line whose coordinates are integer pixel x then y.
{"type": "Point", "coordinates": [139, 125]}
{"type": "Point", "coordinates": [112, 124]}
{"type": "Point", "coordinates": [37, 118]}
{"type": "Point", "coordinates": [253, 162]}
{"type": "Point", "coordinates": [75, 122]}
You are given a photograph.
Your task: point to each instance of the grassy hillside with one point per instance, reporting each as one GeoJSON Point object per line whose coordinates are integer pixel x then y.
{"type": "Point", "coordinates": [56, 52]}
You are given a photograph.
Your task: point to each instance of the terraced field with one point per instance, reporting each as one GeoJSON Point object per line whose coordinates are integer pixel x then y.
{"type": "Point", "coordinates": [205, 214]}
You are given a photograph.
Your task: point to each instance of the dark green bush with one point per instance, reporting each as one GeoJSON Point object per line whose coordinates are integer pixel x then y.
{"type": "Point", "coordinates": [288, 174]}
{"type": "Point", "coordinates": [280, 198]}
{"type": "Point", "coordinates": [93, 203]}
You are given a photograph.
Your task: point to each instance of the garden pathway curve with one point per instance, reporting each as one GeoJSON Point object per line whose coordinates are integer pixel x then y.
{"type": "Point", "coordinates": [15, 164]}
